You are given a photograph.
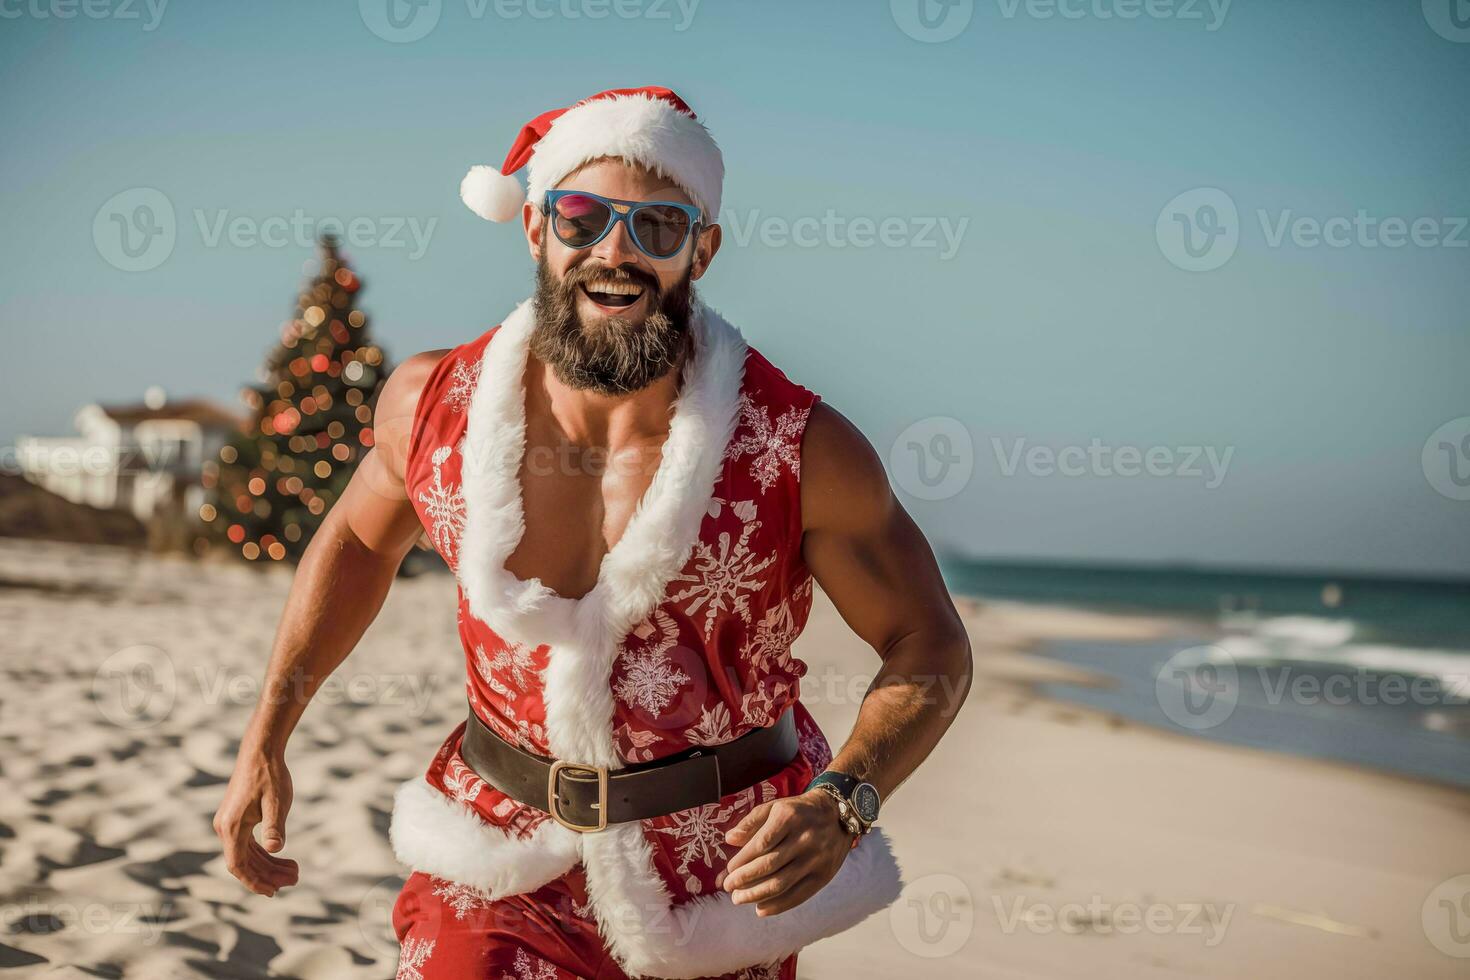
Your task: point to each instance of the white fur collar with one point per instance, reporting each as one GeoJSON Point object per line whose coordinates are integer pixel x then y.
{"type": "Point", "coordinates": [663, 529]}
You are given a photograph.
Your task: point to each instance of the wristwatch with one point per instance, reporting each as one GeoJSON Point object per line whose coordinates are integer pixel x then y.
{"type": "Point", "coordinates": [857, 802]}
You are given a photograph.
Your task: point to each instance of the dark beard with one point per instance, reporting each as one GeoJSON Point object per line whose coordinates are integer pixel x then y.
{"type": "Point", "coordinates": [611, 356]}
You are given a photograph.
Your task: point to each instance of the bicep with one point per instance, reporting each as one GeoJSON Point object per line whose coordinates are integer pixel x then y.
{"type": "Point", "coordinates": [862, 547]}
{"type": "Point", "coordinates": [375, 507]}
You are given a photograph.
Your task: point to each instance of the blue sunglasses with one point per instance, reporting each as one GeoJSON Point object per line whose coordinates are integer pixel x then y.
{"type": "Point", "coordinates": [658, 228]}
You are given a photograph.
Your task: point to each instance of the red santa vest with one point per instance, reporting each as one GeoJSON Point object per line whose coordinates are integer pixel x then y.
{"type": "Point", "coordinates": [684, 640]}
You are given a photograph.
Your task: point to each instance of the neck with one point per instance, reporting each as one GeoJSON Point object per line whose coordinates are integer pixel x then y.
{"type": "Point", "coordinates": [592, 419]}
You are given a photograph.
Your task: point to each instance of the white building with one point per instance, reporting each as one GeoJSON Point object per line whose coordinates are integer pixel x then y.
{"type": "Point", "coordinates": [145, 458]}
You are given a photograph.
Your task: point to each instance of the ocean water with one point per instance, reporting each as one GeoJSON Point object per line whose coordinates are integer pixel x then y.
{"type": "Point", "coordinates": [1365, 671]}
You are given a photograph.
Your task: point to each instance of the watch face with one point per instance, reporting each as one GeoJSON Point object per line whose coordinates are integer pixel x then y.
{"type": "Point", "coordinates": [865, 802]}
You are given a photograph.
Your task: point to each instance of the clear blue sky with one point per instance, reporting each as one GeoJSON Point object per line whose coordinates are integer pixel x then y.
{"type": "Point", "coordinates": [1053, 142]}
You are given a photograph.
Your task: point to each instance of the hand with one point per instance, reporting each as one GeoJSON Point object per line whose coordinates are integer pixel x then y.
{"type": "Point", "coordinates": [791, 848]}
{"type": "Point", "coordinates": [259, 790]}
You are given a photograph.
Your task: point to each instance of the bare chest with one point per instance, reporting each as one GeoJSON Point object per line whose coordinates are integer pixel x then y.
{"type": "Point", "coordinates": [577, 504]}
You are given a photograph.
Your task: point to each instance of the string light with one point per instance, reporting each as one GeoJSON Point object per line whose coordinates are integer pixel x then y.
{"type": "Point", "coordinates": [268, 490]}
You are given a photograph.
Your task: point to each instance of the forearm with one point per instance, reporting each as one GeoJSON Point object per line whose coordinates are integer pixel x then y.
{"type": "Point", "coordinates": [339, 587]}
{"type": "Point", "coordinates": [908, 707]}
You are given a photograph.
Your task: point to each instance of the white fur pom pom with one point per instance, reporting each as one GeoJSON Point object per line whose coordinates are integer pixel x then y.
{"type": "Point", "coordinates": [491, 194]}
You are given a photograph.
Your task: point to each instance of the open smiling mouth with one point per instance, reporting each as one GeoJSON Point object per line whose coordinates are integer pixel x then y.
{"type": "Point", "coordinates": [613, 295]}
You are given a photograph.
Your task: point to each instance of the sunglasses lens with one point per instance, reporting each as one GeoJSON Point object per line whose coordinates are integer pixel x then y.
{"type": "Point", "coordinates": [580, 219]}
{"type": "Point", "coordinates": [661, 230]}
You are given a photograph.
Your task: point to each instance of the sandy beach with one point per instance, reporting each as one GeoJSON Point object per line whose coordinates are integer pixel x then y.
{"type": "Point", "coordinates": [1043, 840]}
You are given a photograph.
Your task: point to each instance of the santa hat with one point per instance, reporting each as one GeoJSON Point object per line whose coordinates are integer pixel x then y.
{"type": "Point", "coordinates": [651, 127]}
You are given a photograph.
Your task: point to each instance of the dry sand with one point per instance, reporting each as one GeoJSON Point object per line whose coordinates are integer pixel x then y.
{"type": "Point", "coordinates": [1042, 840]}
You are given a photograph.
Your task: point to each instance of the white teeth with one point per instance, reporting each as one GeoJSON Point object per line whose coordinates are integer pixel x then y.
{"type": "Point", "coordinates": [615, 288]}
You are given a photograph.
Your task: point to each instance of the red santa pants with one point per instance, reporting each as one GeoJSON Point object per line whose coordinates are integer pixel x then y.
{"type": "Point", "coordinates": [447, 931]}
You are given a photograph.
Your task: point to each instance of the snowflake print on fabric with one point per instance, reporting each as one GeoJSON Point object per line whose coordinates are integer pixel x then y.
{"type": "Point", "coordinates": [769, 647]}
{"type": "Point", "coordinates": [530, 967]}
{"type": "Point", "coordinates": [516, 660]}
{"type": "Point", "coordinates": [634, 743]}
{"type": "Point", "coordinates": [713, 727]}
{"type": "Point", "coordinates": [699, 833]}
{"type": "Point", "coordinates": [650, 679]}
{"type": "Point", "coordinates": [462, 898]}
{"type": "Point", "coordinates": [725, 574]}
{"type": "Point", "coordinates": [462, 382]}
{"type": "Point", "coordinates": [774, 446]}
{"type": "Point", "coordinates": [444, 505]}
{"type": "Point", "coordinates": [412, 957]}
{"type": "Point", "coordinates": [462, 782]}
{"type": "Point", "coordinates": [758, 706]}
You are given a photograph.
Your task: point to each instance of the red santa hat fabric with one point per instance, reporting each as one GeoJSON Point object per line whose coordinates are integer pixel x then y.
{"type": "Point", "coordinates": [651, 127]}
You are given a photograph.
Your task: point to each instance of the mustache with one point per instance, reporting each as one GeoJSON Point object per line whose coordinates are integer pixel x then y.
{"type": "Point", "coordinates": [585, 272]}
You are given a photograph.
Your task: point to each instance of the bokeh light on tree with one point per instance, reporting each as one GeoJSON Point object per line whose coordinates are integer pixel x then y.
{"type": "Point", "coordinates": [311, 423]}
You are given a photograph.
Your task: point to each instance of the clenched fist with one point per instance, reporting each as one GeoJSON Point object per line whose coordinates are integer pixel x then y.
{"type": "Point", "coordinates": [791, 848]}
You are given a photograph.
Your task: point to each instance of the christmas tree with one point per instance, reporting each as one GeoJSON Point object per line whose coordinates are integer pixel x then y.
{"type": "Point", "coordinates": [311, 423]}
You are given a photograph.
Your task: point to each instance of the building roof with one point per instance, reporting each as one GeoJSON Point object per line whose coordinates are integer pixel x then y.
{"type": "Point", "coordinates": [200, 410]}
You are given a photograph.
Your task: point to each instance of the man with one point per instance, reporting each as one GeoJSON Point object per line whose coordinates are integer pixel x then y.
{"type": "Point", "coordinates": [635, 504]}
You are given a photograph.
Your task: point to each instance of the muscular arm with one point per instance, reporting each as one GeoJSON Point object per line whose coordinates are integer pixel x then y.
{"type": "Point", "coordinates": [340, 584]}
{"type": "Point", "coordinates": [873, 562]}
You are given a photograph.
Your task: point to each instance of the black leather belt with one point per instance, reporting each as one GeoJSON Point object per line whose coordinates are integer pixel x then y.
{"type": "Point", "coordinates": [588, 798]}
